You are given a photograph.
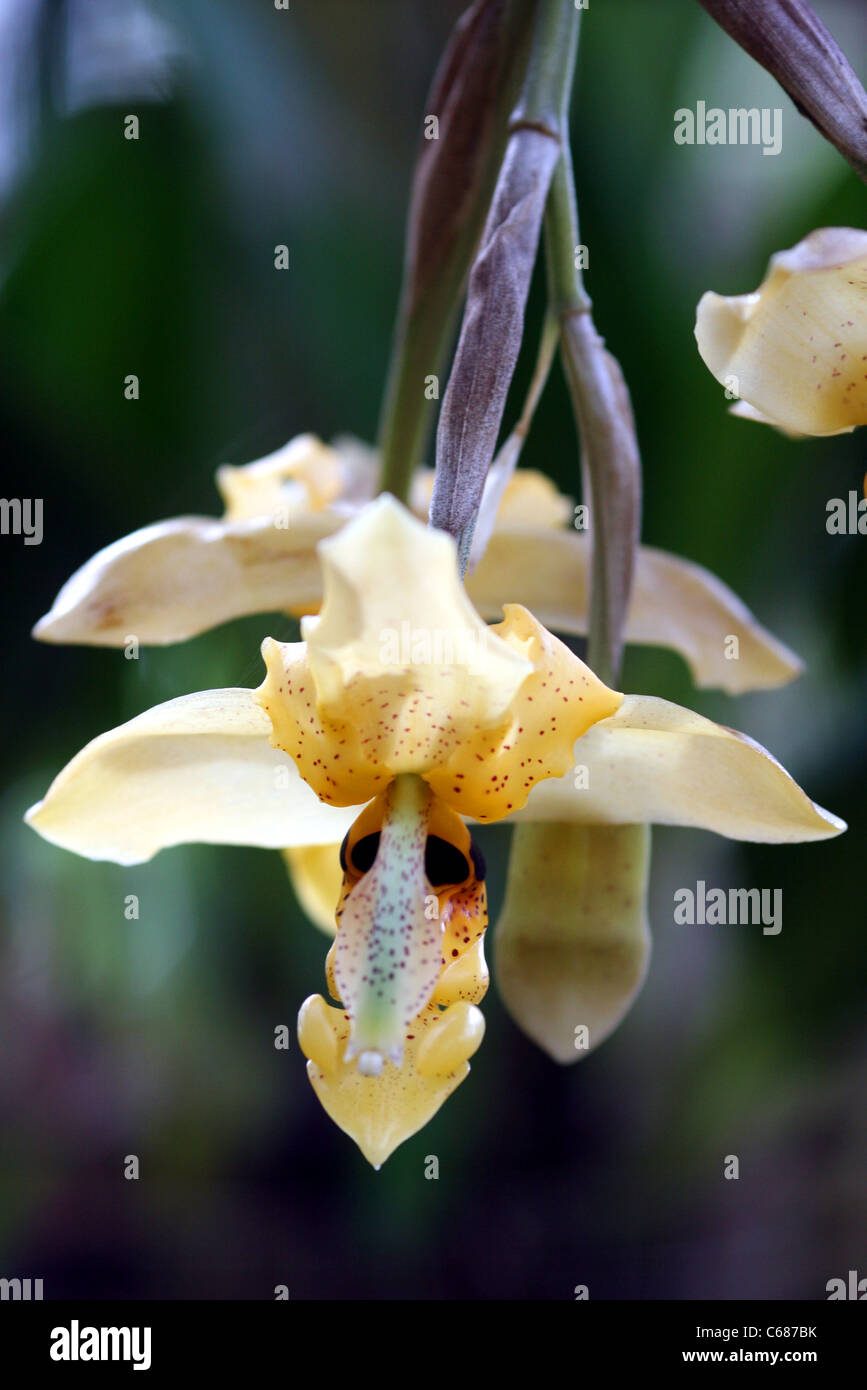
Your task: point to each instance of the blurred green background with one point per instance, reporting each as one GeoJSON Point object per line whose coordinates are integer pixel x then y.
{"type": "Point", "coordinates": [155, 1037]}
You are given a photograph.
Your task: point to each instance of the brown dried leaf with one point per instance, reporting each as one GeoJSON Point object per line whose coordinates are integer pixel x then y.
{"type": "Point", "coordinates": [452, 180]}
{"type": "Point", "coordinates": [791, 42]}
{"type": "Point", "coordinates": [491, 333]}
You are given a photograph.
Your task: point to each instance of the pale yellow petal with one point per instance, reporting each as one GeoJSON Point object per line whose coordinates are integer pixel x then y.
{"type": "Point", "coordinates": [488, 776]}
{"type": "Point", "coordinates": [200, 768]}
{"type": "Point", "coordinates": [742, 410]}
{"type": "Point", "coordinates": [391, 727]}
{"type": "Point", "coordinates": [317, 880]}
{"type": "Point", "coordinates": [391, 587]}
{"type": "Point", "coordinates": [305, 475]}
{"type": "Point", "coordinates": [572, 943]}
{"type": "Point", "coordinates": [529, 498]}
{"type": "Point", "coordinates": [796, 349]}
{"type": "Point", "coordinates": [654, 762]}
{"type": "Point", "coordinates": [400, 675]}
{"type": "Point", "coordinates": [675, 603]}
{"type": "Point", "coordinates": [532, 499]}
{"type": "Point", "coordinates": [175, 579]}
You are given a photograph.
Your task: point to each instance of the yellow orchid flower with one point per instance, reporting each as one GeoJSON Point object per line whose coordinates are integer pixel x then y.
{"type": "Point", "coordinates": [399, 718]}
{"type": "Point", "coordinates": [795, 351]}
{"type": "Point", "coordinates": [172, 580]}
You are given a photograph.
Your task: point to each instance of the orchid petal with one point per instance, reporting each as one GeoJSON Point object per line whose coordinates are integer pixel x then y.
{"type": "Point", "coordinates": [199, 768]}
{"type": "Point", "coordinates": [487, 777]}
{"type": "Point", "coordinates": [380, 1112]}
{"type": "Point", "coordinates": [399, 674]}
{"type": "Point", "coordinates": [304, 475]}
{"type": "Point", "coordinates": [742, 410]}
{"type": "Point", "coordinates": [387, 960]}
{"type": "Point", "coordinates": [173, 580]}
{"type": "Point", "coordinates": [796, 349]}
{"type": "Point", "coordinates": [176, 579]}
{"type": "Point", "coordinates": [385, 1098]}
{"type": "Point", "coordinates": [675, 603]}
{"type": "Point", "coordinates": [654, 762]}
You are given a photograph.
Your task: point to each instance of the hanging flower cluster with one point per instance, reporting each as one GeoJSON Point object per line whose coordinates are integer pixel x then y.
{"type": "Point", "coordinates": [429, 693]}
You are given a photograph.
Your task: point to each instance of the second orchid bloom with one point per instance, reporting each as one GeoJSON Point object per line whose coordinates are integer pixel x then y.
{"type": "Point", "coordinates": [399, 721]}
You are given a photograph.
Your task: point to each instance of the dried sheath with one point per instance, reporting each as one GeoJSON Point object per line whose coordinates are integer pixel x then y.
{"type": "Point", "coordinates": [450, 172]}
{"type": "Point", "coordinates": [473, 91]}
{"type": "Point", "coordinates": [611, 467]}
{"type": "Point", "coordinates": [492, 328]}
{"type": "Point", "coordinates": [790, 40]}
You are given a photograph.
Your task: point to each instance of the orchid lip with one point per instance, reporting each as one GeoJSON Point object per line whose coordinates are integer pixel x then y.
{"type": "Point", "coordinates": [388, 951]}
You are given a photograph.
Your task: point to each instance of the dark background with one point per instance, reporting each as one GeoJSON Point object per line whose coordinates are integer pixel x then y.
{"type": "Point", "coordinates": [155, 1037]}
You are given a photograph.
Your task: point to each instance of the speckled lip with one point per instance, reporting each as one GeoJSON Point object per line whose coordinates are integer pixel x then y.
{"type": "Point", "coordinates": [387, 957]}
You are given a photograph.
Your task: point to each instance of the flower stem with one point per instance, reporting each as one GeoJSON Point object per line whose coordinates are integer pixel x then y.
{"type": "Point", "coordinates": [419, 349]}
{"type": "Point", "coordinates": [566, 292]}
{"type": "Point", "coordinates": [548, 82]}
{"type": "Point", "coordinates": [610, 462]}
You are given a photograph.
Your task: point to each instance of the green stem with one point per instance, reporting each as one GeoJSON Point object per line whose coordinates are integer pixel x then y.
{"type": "Point", "coordinates": [548, 83]}
{"type": "Point", "coordinates": [610, 464]}
{"type": "Point", "coordinates": [566, 292]}
{"type": "Point", "coordinates": [419, 349]}
{"type": "Point", "coordinates": [567, 296]}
